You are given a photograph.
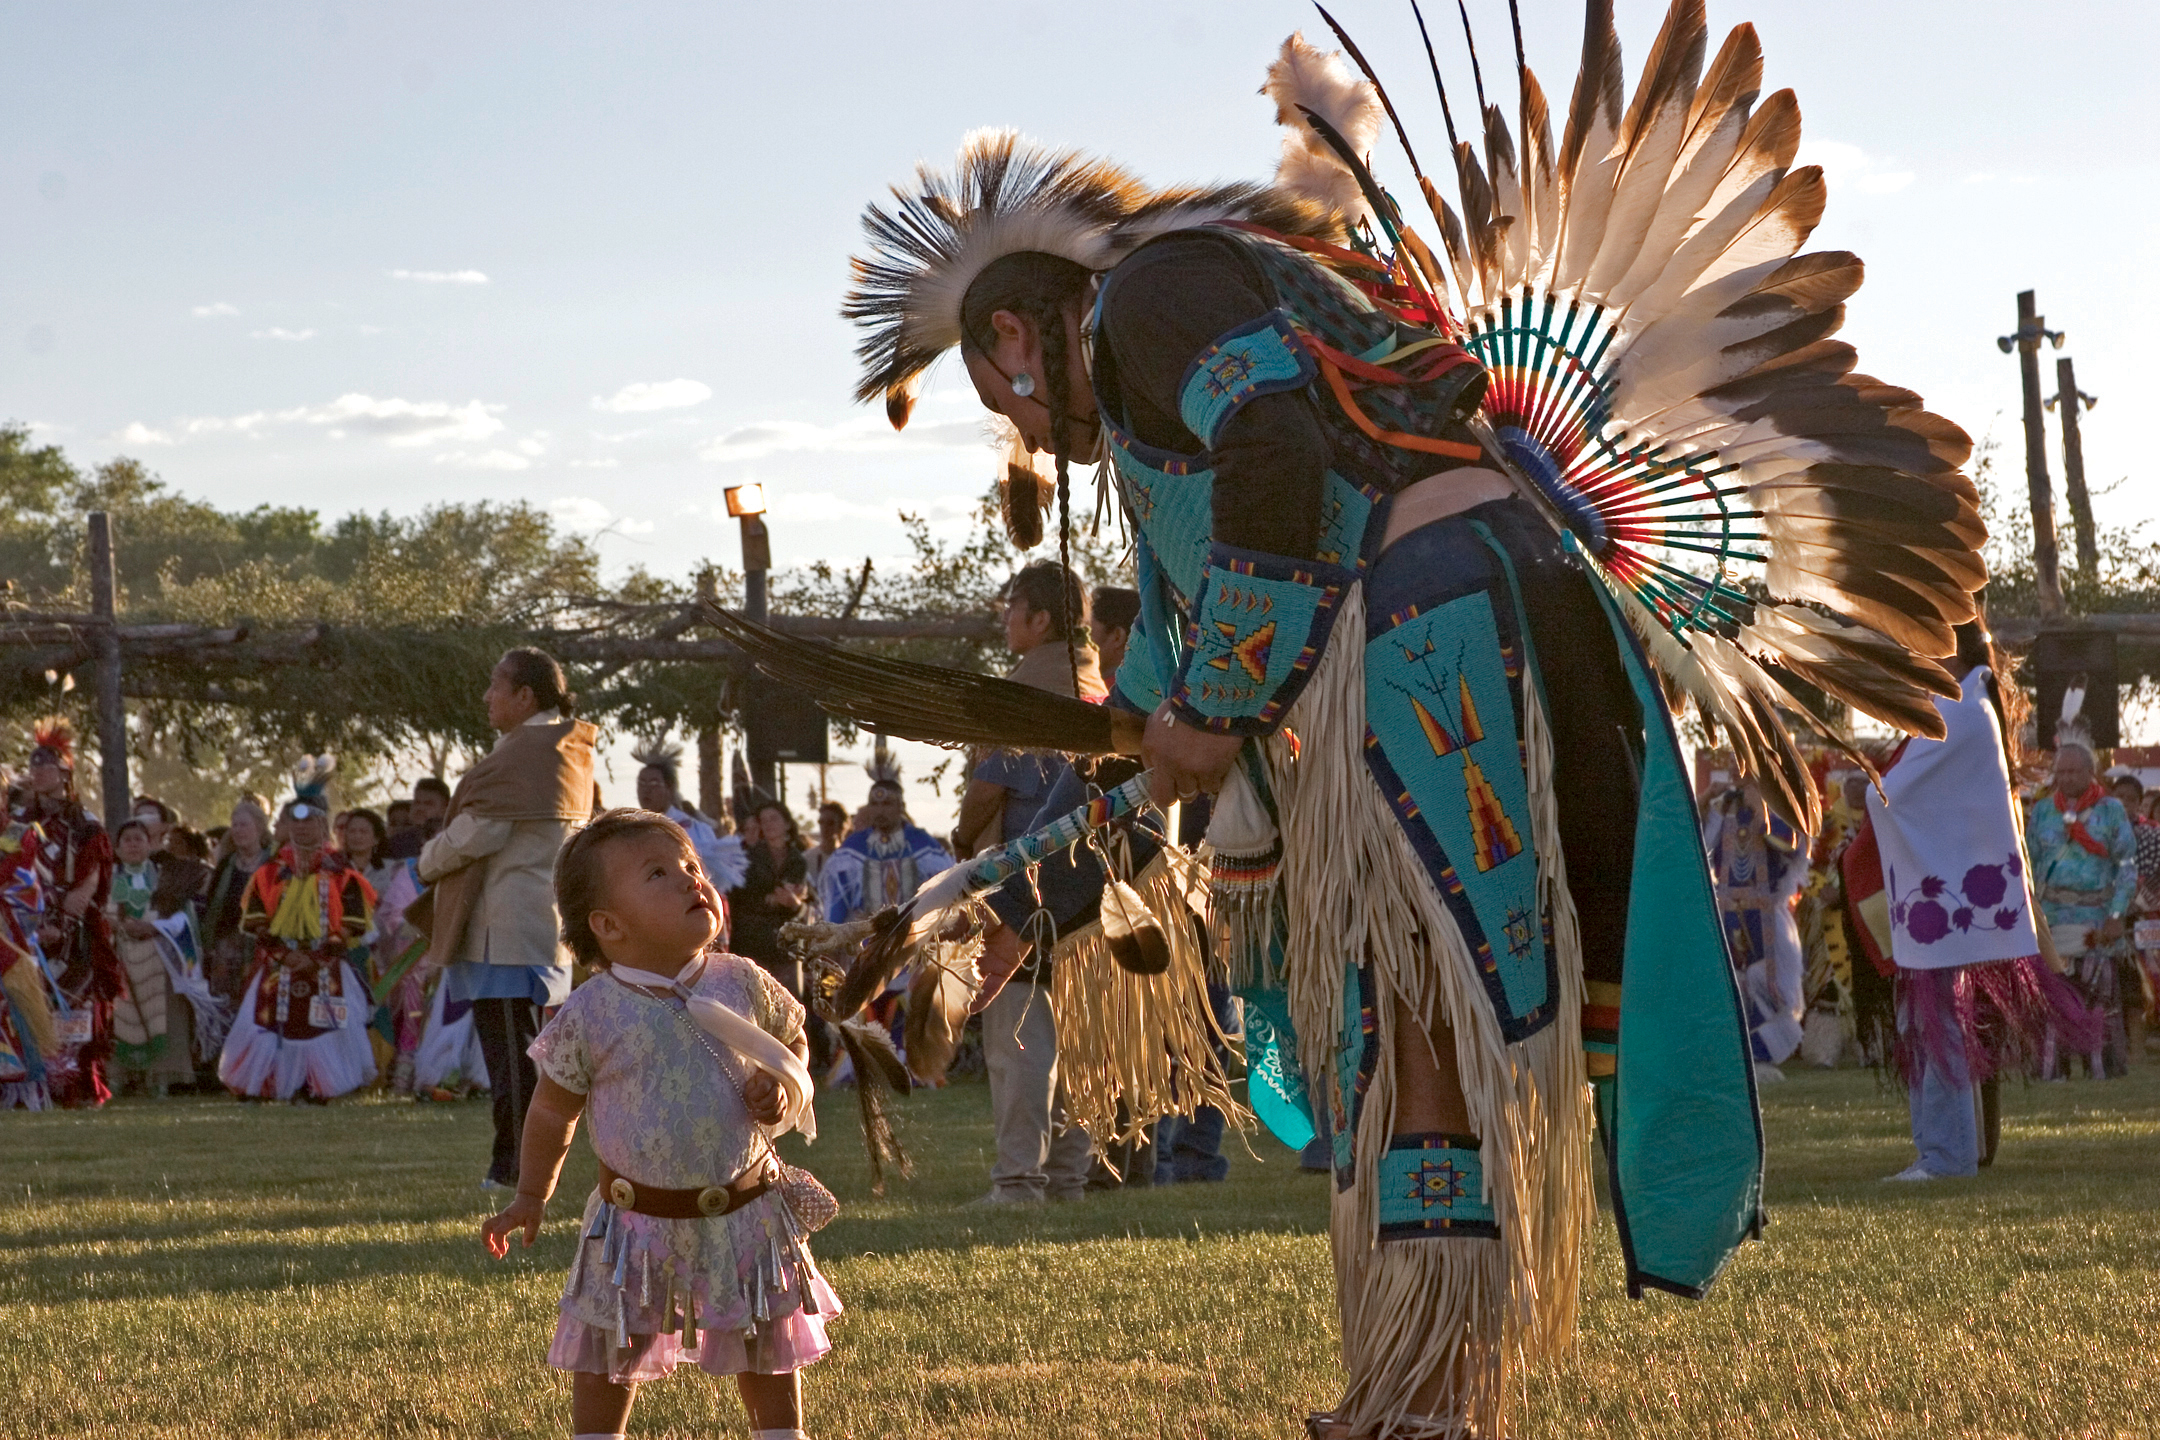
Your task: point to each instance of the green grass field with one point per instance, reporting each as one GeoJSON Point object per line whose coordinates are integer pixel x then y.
{"type": "Point", "coordinates": [203, 1268]}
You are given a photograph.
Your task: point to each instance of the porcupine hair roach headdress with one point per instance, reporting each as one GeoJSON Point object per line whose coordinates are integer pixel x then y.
{"type": "Point", "coordinates": [881, 767]}
{"type": "Point", "coordinates": [662, 755]}
{"type": "Point", "coordinates": [53, 738]}
{"type": "Point", "coordinates": [311, 786]}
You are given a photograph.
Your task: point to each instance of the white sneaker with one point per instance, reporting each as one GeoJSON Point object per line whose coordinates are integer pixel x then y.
{"type": "Point", "coordinates": [1914, 1171]}
{"type": "Point", "coordinates": [489, 1182]}
{"type": "Point", "coordinates": [1006, 1197]}
{"type": "Point", "coordinates": [1767, 1074]}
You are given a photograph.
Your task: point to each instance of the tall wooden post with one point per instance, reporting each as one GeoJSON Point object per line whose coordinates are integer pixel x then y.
{"type": "Point", "coordinates": [757, 559]}
{"type": "Point", "coordinates": [711, 784]}
{"type": "Point", "coordinates": [2042, 495]}
{"type": "Point", "coordinates": [2069, 401]}
{"type": "Point", "coordinates": [105, 648]}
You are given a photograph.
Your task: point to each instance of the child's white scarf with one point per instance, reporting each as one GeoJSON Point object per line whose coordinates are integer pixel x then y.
{"type": "Point", "coordinates": [742, 1036]}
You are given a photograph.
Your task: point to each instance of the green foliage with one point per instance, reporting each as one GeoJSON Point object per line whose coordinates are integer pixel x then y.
{"type": "Point", "coordinates": [408, 614]}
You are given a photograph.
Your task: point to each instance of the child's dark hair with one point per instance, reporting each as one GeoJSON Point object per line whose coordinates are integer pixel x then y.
{"type": "Point", "coordinates": [580, 876]}
{"type": "Point", "coordinates": [127, 825]}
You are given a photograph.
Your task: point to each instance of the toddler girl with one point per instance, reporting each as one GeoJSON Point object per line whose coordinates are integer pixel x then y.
{"type": "Point", "coordinates": [688, 1249]}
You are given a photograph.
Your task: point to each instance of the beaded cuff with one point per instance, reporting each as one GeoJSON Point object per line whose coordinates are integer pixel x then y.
{"type": "Point", "coordinates": [1260, 357]}
{"type": "Point", "coordinates": [1258, 626]}
{"type": "Point", "coordinates": [1431, 1187]}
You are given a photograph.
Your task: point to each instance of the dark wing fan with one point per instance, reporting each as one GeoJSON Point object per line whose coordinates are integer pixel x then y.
{"type": "Point", "coordinates": [932, 703]}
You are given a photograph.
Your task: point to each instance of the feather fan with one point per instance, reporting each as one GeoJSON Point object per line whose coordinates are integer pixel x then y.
{"type": "Point", "coordinates": [1668, 381]}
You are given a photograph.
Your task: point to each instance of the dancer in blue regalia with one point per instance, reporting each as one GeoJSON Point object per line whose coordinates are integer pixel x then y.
{"type": "Point", "coordinates": [1420, 548]}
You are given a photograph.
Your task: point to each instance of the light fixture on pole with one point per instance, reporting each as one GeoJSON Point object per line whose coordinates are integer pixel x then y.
{"type": "Point", "coordinates": [747, 504]}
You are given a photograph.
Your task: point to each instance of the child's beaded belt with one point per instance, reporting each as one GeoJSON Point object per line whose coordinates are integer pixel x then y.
{"type": "Point", "coordinates": [698, 1204]}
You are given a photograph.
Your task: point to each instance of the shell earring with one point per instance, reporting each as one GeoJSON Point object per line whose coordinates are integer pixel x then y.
{"type": "Point", "coordinates": [1023, 384]}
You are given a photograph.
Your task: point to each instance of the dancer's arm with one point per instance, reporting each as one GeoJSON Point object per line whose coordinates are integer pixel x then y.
{"type": "Point", "coordinates": [549, 1124]}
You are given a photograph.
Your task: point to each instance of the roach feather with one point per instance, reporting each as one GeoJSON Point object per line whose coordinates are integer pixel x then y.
{"type": "Point", "coordinates": [1438, 84]}
{"type": "Point", "coordinates": [1357, 58]}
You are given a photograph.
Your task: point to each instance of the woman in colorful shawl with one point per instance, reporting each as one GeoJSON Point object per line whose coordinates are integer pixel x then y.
{"type": "Point", "coordinates": [28, 1000]}
{"type": "Point", "coordinates": [152, 1033]}
{"type": "Point", "coordinates": [2084, 861]}
{"type": "Point", "coordinates": [76, 860]}
{"type": "Point", "coordinates": [1759, 866]}
{"type": "Point", "coordinates": [303, 1023]}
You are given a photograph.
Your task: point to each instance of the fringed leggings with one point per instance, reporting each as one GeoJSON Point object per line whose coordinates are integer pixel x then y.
{"type": "Point", "coordinates": [1440, 1317]}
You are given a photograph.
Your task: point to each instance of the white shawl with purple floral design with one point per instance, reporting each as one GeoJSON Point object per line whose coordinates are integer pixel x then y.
{"type": "Point", "coordinates": [1953, 864]}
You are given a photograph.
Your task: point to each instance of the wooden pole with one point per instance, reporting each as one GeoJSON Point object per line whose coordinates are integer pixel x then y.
{"type": "Point", "coordinates": [105, 649]}
{"type": "Point", "coordinates": [711, 784]}
{"type": "Point", "coordinates": [757, 559]}
{"type": "Point", "coordinates": [2042, 495]}
{"type": "Point", "coordinates": [2069, 401]}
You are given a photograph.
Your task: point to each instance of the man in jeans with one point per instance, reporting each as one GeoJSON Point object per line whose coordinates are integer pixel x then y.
{"type": "Point", "coordinates": [1039, 1155]}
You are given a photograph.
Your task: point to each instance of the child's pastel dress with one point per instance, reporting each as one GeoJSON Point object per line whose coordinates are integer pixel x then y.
{"type": "Point", "coordinates": [665, 1109]}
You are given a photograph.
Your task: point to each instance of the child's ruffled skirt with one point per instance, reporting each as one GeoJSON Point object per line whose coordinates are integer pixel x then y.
{"type": "Point", "coordinates": [758, 1299]}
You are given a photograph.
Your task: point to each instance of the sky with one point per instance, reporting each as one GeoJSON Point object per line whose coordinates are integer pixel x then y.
{"type": "Point", "coordinates": [380, 256]}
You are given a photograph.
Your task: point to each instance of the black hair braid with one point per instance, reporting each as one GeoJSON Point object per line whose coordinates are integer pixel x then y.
{"type": "Point", "coordinates": [1057, 385]}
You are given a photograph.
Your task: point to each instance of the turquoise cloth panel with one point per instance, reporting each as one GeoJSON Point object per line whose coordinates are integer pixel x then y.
{"type": "Point", "coordinates": [1431, 1187]}
{"type": "Point", "coordinates": [1259, 625]}
{"type": "Point", "coordinates": [1275, 1084]}
{"type": "Point", "coordinates": [1684, 1141]}
{"type": "Point", "coordinates": [1443, 741]}
{"type": "Point", "coordinates": [1261, 357]}
{"type": "Point", "coordinates": [1172, 500]}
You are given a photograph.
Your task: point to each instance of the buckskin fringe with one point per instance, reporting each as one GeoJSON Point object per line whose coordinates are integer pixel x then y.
{"type": "Point", "coordinates": [1356, 892]}
{"type": "Point", "coordinates": [1147, 1040]}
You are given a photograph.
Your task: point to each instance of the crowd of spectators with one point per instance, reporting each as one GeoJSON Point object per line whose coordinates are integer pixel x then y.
{"type": "Point", "coordinates": [132, 958]}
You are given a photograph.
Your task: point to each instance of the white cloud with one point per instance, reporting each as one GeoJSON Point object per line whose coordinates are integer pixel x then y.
{"type": "Point", "coordinates": [214, 424]}
{"type": "Point", "coordinates": [138, 433]}
{"type": "Point", "coordinates": [752, 442]}
{"type": "Point", "coordinates": [279, 332]}
{"type": "Point", "coordinates": [606, 462]}
{"type": "Point", "coordinates": [1846, 165]}
{"type": "Point", "coordinates": [406, 422]}
{"type": "Point", "coordinates": [654, 395]}
{"type": "Point", "coordinates": [212, 311]}
{"type": "Point", "coordinates": [371, 329]}
{"type": "Point", "coordinates": [441, 277]}
{"type": "Point", "coordinates": [582, 512]}
{"type": "Point", "coordinates": [396, 422]}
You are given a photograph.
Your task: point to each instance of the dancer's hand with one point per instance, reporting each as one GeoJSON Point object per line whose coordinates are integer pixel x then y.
{"type": "Point", "coordinates": [1186, 759]}
{"type": "Point", "coordinates": [523, 1213]}
{"type": "Point", "coordinates": [2111, 929]}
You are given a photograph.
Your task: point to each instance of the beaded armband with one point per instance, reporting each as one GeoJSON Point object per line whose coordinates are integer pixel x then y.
{"type": "Point", "coordinates": [1260, 357]}
{"type": "Point", "coordinates": [1258, 626]}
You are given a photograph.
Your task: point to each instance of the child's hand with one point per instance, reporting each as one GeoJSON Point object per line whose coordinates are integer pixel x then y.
{"type": "Point", "coordinates": [523, 1213]}
{"type": "Point", "coordinates": [767, 1101]}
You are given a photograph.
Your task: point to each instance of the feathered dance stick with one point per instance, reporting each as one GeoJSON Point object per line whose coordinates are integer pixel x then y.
{"type": "Point", "coordinates": [915, 921]}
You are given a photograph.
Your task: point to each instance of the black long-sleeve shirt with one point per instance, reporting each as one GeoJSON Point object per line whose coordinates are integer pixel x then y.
{"type": "Point", "coordinates": [1165, 305]}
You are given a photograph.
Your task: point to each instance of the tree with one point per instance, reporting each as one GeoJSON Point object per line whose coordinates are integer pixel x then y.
{"type": "Point", "coordinates": [372, 636]}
